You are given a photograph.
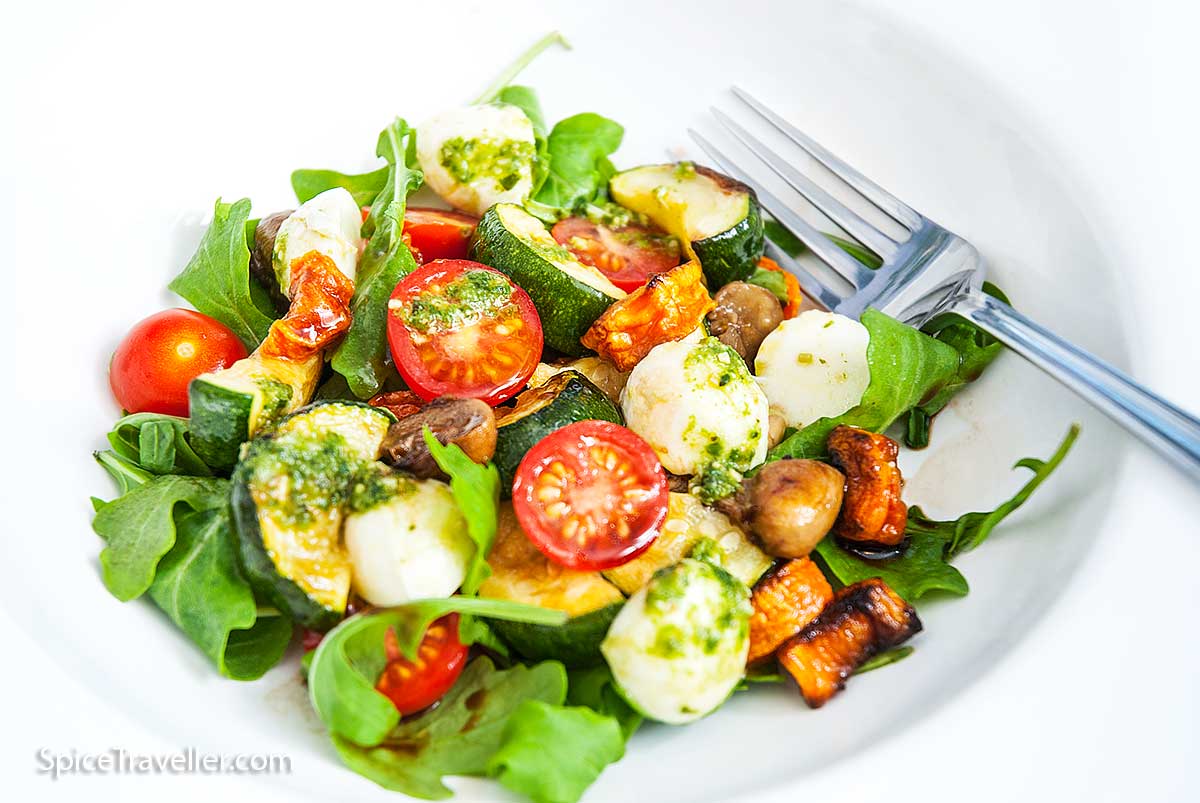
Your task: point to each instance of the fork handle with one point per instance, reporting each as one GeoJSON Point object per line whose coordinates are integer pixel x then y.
{"type": "Point", "coordinates": [1151, 418]}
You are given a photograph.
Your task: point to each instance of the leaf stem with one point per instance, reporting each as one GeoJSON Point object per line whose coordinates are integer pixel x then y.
{"type": "Point", "coordinates": [513, 70]}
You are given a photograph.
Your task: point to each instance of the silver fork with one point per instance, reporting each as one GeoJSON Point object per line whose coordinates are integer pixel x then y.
{"type": "Point", "coordinates": [932, 270]}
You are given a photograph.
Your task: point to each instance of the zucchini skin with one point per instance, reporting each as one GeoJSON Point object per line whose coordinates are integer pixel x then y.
{"type": "Point", "coordinates": [578, 400]}
{"type": "Point", "coordinates": [218, 422]}
{"type": "Point", "coordinates": [732, 255]}
{"type": "Point", "coordinates": [566, 306]}
{"type": "Point", "coordinates": [259, 570]}
{"type": "Point", "coordinates": [256, 564]}
{"type": "Point", "coordinates": [576, 643]}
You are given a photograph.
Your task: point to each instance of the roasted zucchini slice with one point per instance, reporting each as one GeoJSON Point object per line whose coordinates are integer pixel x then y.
{"type": "Point", "coordinates": [568, 294]}
{"type": "Point", "coordinates": [717, 217]}
{"type": "Point", "coordinates": [289, 495]}
{"type": "Point", "coordinates": [523, 574]}
{"type": "Point", "coordinates": [564, 398]}
{"type": "Point", "coordinates": [228, 407]}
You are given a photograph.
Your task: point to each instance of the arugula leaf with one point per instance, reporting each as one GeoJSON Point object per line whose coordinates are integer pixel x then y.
{"type": "Point", "coordinates": [552, 753]}
{"type": "Point", "coordinates": [459, 736]}
{"type": "Point", "coordinates": [127, 473]}
{"type": "Point", "coordinates": [157, 443]}
{"type": "Point", "coordinates": [793, 247]}
{"type": "Point", "coordinates": [976, 350]}
{"type": "Point", "coordinates": [139, 528]}
{"type": "Point", "coordinates": [525, 99]}
{"type": "Point", "coordinates": [476, 490]}
{"type": "Point", "coordinates": [156, 446]}
{"type": "Point", "coordinates": [217, 278]}
{"type": "Point", "coordinates": [857, 251]}
{"type": "Point", "coordinates": [757, 675]}
{"type": "Point", "coordinates": [920, 569]}
{"type": "Point", "coordinates": [906, 367]}
{"type": "Point", "coordinates": [596, 689]}
{"type": "Point", "coordinates": [386, 260]}
{"type": "Point", "coordinates": [473, 630]}
{"type": "Point", "coordinates": [522, 61]}
{"type": "Point", "coordinates": [148, 444]}
{"type": "Point", "coordinates": [363, 187]}
{"type": "Point", "coordinates": [199, 586]}
{"type": "Point", "coordinates": [578, 149]}
{"type": "Point", "coordinates": [924, 566]}
{"type": "Point", "coordinates": [884, 659]}
{"type": "Point", "coordinates": [349, 660]}
{"type": "Point", "coordinates": [771, 280]}
{"type": "Point", "coordinates": [972, 529]}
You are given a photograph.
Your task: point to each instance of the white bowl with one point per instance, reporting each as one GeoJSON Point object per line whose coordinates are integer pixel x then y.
{"type": "Point", "coordinates": [140, 131]}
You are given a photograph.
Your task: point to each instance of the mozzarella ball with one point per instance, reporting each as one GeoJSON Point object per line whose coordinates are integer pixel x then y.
{"type": "Point", "coordinates": [406, 539]}
{"type": "Point", "coordinates": [678, 647]}
{"type": "Point", "coordinates": [478, 156]}
{"type": "Point", "coordinates": [814, 366]}
{"type": "Point", "coordinates": [330, 224]}
{"type": "Point", "coordinates": [696, 404]}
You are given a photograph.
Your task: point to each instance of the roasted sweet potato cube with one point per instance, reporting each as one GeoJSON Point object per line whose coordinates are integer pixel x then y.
{"type": "Point", "coordinates": [872, 511]}
{"type": "Point", "coordinates": [863, 620]}
{"type": "Point", "coordinates": [784, 601]}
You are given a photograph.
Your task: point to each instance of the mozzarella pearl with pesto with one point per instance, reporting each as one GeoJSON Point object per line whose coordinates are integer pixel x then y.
{"type": "Point", "coordinates": [814, 366]}
{"type": "Point", "coordinates": [329, 223]}
{"type": "Point", "coordinates": [696, 404]}
{"type": "Point", "coordinates": [678, 647]}
{"type": "Point", "coordinates": [478, 156]}
{"type": "Point", "coordinates": [406, 539]}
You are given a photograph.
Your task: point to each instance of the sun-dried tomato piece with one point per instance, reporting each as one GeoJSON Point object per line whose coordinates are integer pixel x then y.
{"type": "Point", "coordinates": [668, 307]}
{"type": "Point", "coordinates": [400, 403]}
{"type": "Point", "coordinates": [319, 311]}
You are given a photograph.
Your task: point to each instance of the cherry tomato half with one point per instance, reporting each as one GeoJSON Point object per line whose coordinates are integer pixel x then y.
{"type": "Point", "coordinates": [419, 683]}
{"type": "Point", "coordinates": [628, 256]}
{"type": "Point", "coordinates": [151, 368]}
{"type": "Point", "coordinates": [438, 233]}
{"type": "Point", "coordinates": [591, 495]}
{"type": "Point", "coordinates": [459, 328]}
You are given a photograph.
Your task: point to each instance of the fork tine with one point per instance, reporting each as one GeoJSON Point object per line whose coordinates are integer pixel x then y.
{"type": "Point", "coordinates": [877, 195]}
{"type": "Point", "coordinates": [833, 256]}
{"type": "Point", "coordinates": [839, 213]}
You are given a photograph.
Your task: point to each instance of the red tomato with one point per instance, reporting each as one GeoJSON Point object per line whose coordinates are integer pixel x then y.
{"type": "Point", "coordinates": [591, 495]}
{"type": "Point", "coordinates": [458, 328]}
{"type": "Point", "coordinates": [151, 368]}
{"type": "Point", "coordinates": [628, 256]}
{"type": "Point", "coordinates": [417, 684]}
{"type": "Point", "coordinates": [438, 233]}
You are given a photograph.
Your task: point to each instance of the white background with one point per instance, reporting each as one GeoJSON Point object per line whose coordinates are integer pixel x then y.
{"type": "Point", "coordinates": [1100, 701]}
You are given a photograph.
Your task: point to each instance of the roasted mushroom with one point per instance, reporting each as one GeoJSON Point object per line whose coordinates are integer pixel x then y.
{"type": "Point", "coordinates": [470, 424]}
{"type": "Point", "coordinates": [873, 514]}
{"type": "Point", "coordinates": [863, 620]}
{"type": "Point", "coordinates": [261, 255]}
{"type": "Point", "coordinates": [744, 315]}
{"type": "Point", "coordinates": [788, 505]}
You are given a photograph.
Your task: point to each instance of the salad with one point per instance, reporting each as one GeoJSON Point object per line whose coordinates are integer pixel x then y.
{"type": "Point", "coordinates": [525, 470]}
